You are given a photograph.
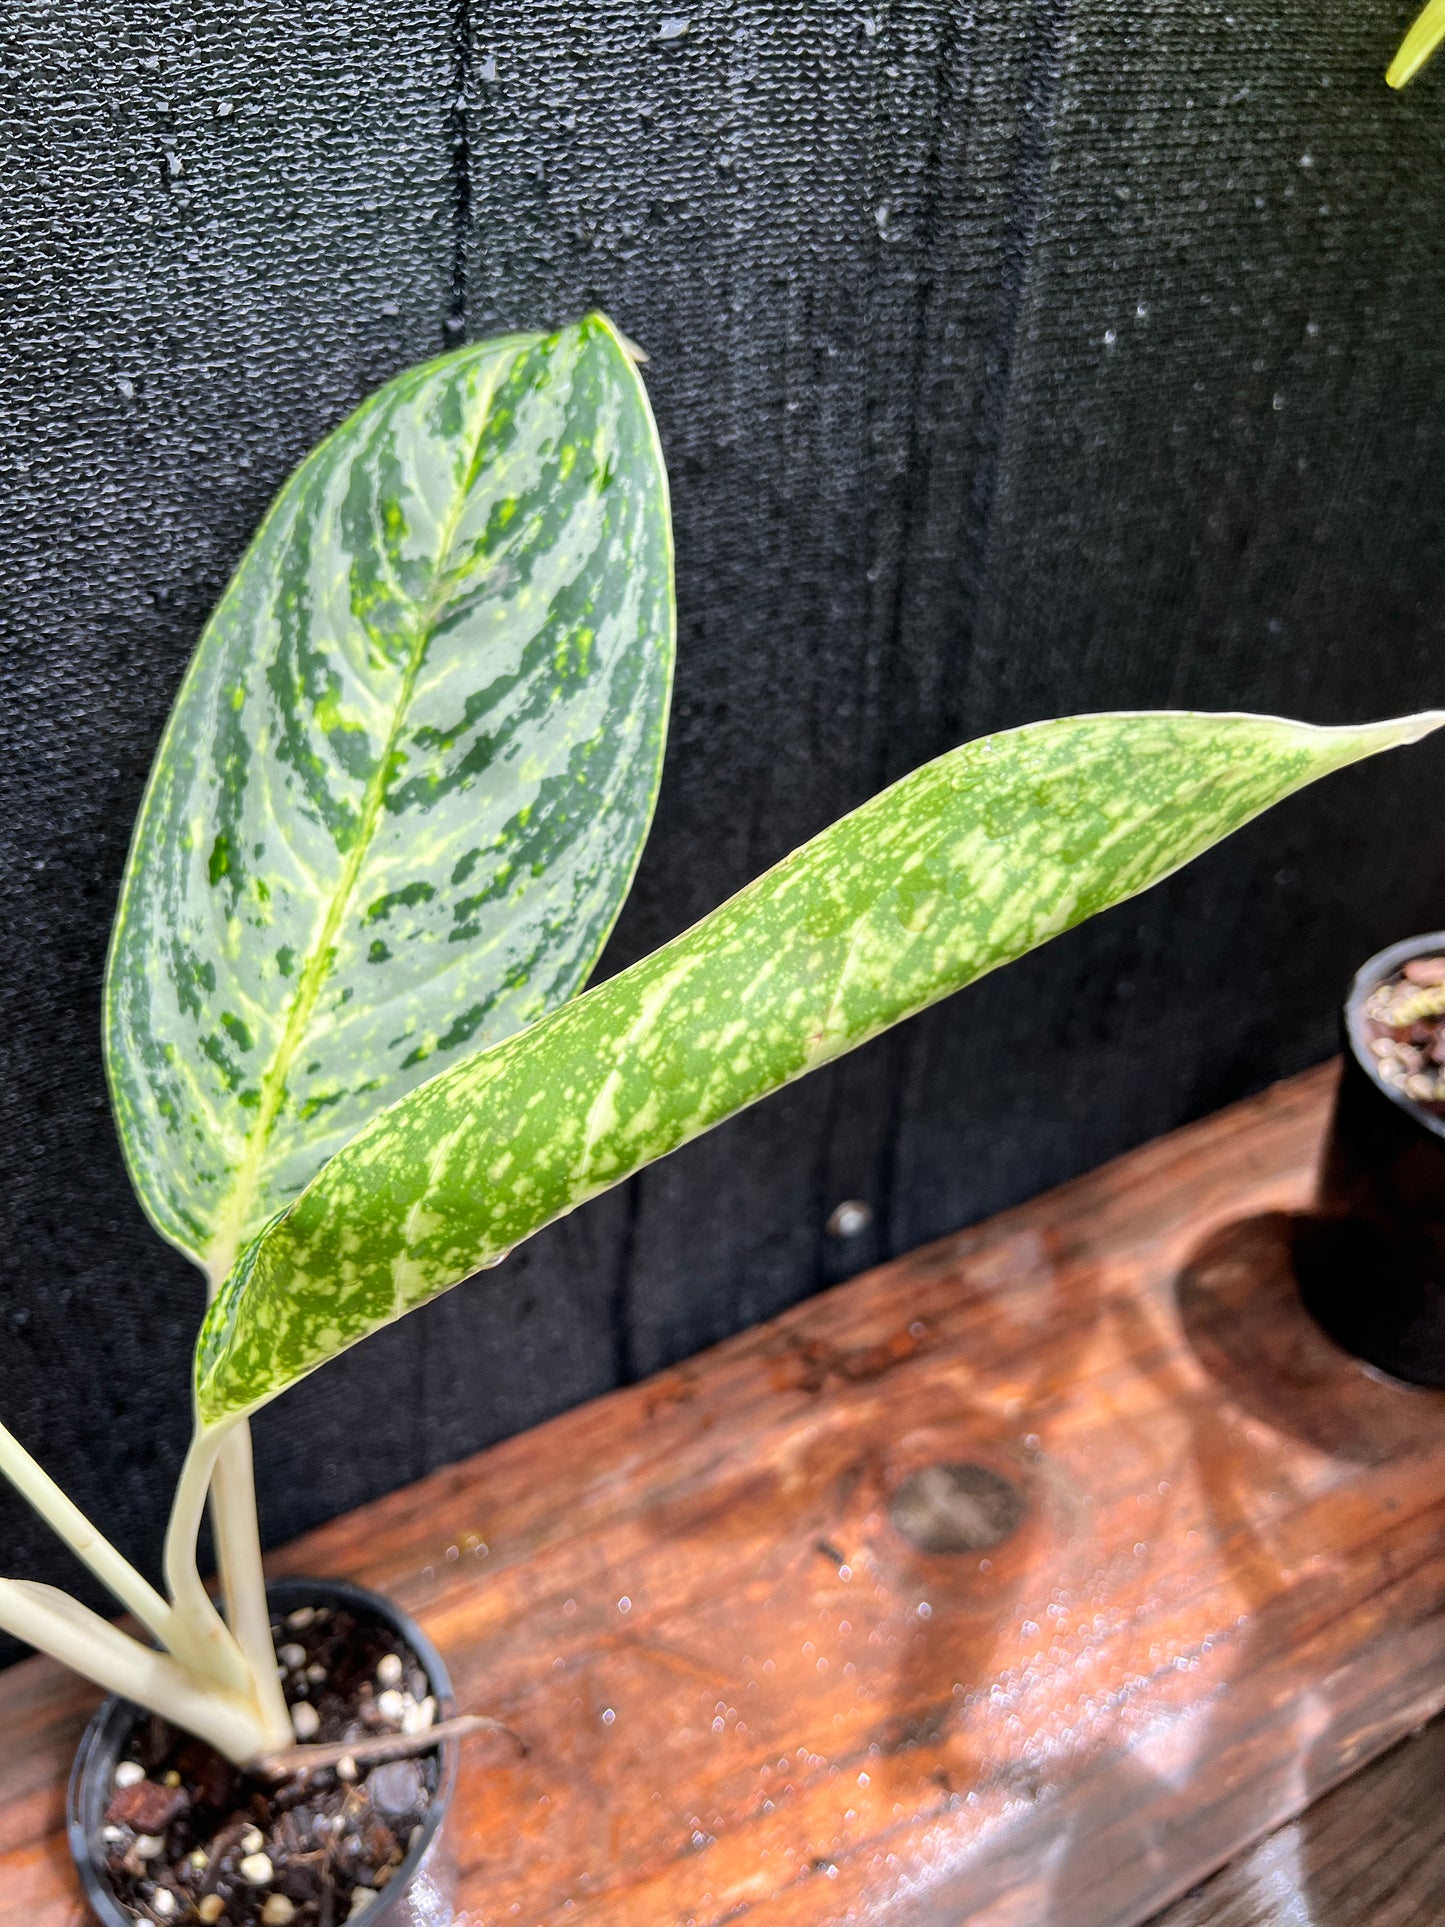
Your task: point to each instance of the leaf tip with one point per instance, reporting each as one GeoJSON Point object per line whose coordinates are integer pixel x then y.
{"type": "Point", "coordinates": [596, 322]}
{"type": "Point", "coordinates": [1414, 729]}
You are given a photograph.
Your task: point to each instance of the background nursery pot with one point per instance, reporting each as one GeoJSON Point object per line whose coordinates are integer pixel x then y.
{"type": "Point", "coordinates": [422, 1891]}
{"type": "Point", "coordinates": [1372, 1262]}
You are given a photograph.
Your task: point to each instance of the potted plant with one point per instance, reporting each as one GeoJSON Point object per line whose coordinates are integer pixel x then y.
{"type": "Point", "coordinates": [1371, 1259]}
{"type": "Point", "coordinates": [394, 814]}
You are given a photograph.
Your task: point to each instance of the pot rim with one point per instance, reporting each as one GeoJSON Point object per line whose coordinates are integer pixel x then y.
{"type": "Point", "coordinates": [1372, 972]}
{"type": "Point", "coordinates": [112, 1720]}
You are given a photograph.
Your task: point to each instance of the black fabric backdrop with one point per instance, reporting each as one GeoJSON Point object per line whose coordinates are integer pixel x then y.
{"type": "Point", "coordinates": [1009, 360]}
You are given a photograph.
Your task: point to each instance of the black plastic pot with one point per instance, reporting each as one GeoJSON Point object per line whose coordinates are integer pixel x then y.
{"type": "Point", "coordinates": [1371, 1262]}
{"type": "Point", "coordinates": [422, 1891]}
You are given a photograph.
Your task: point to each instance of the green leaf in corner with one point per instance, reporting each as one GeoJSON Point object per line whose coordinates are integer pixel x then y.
{"type": "Point", "coordinates": [1418, 45]}
{"type": "Point", "coordinates": [406, 781]}
{"type": "Point", "coordinates": [965, 864]}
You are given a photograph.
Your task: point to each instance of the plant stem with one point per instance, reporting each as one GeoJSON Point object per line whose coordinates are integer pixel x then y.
{"type": "Point", "coordinates": [208, 1645]}
{"type": "Point", "coordinates": [238, 1550]}
{"type": "Point", "coordinates": [243, 1581]}
{"type": "Point", "coordinates": [45, 1617]}
{"type": "Point", "coordinates": [213, 1686]}
{"type": "Point", "coordinates": [36, 1486]}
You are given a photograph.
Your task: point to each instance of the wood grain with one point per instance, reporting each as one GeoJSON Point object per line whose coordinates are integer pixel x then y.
{"type": "Point", "coordinates": [1371, 1853]}
{"type": "Point", "coordinates": [746, 1694]}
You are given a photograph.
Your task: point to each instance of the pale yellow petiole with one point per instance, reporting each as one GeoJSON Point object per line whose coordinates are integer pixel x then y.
{"type": "Point", "coordinates": [214, 1650]}
{"type": "Point", "coordinates": [238, 1547]}
{"type": "Point", "coordinates": [255, 1678]}
{"type": "Point", "coordinates": [197, 1638]}
{"type": "Point", "coordinates": [207, 1681]}
{"type": "Point", "coordinates": [44, 1616]}
{"type": "Point", "coordinates": [70, 1524]}
{"type": "Point", "coordinates": [243, 1582]}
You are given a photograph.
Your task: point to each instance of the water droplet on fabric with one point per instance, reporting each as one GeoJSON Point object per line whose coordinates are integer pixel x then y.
{"type": "Point", "coordinates": [849, 1219]}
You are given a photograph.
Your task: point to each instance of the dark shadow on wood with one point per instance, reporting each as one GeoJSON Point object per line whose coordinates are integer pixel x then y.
{"type": "Point", "coordinates": [1241, 1310]}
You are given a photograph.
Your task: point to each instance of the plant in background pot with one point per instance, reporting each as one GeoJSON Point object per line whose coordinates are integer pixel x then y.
{"type": "Point", "coordinates": [395, 812]}
{"type": "Point", "coordinates": [1371, 1259]}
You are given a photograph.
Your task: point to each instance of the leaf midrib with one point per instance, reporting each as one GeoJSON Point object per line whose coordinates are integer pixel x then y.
{"type": "Point", "coordinates": [221, 1252]}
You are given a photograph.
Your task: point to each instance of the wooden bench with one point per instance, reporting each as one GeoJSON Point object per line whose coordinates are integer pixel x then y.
{"type": "Point", "coordinates": [1199, 1579]}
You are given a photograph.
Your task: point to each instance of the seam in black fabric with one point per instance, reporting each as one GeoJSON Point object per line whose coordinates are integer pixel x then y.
{"type": "Point", "coordinates": [622, 1311]}
{"type": "Point", "coordinates": [1031, 172]}
{"type": "Point", "coordinates": [915, 486]}
{"type": "Point", "coordinates": [459, 135]}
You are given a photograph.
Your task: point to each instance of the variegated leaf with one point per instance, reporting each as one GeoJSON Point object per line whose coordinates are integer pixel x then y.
{"type": "Point", "coordinates": [960, 867]}
{"type": "Point", "coordinates": [407, 778]}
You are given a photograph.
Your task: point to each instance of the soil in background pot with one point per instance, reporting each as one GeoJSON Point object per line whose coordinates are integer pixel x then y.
{"type": "Point", "coordinates": [1403, 1025]}
{"type": "Point", "coordinates": [188, 1837]}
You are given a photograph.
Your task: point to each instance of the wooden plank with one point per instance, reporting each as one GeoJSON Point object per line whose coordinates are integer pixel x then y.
{"type": "Point", "coordinates": [1369, 1854]}
{"type": "Point", "coordinates": [748, 1694]}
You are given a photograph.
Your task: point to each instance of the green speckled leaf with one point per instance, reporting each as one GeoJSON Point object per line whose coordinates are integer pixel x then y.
{"type": "Point", "coordinates": [406, 781]}
{"type": "Point", "coordinates": [962, 866]}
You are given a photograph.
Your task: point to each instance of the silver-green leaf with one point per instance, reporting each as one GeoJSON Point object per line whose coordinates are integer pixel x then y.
{"type": "Point", "coordinates": [406, 781]}
{"type": "Point", "coordinates": [967, 863]}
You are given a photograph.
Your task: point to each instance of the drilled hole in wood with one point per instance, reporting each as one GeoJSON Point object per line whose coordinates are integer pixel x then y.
{"type": "Point", "coordinates": [956, 1508]}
